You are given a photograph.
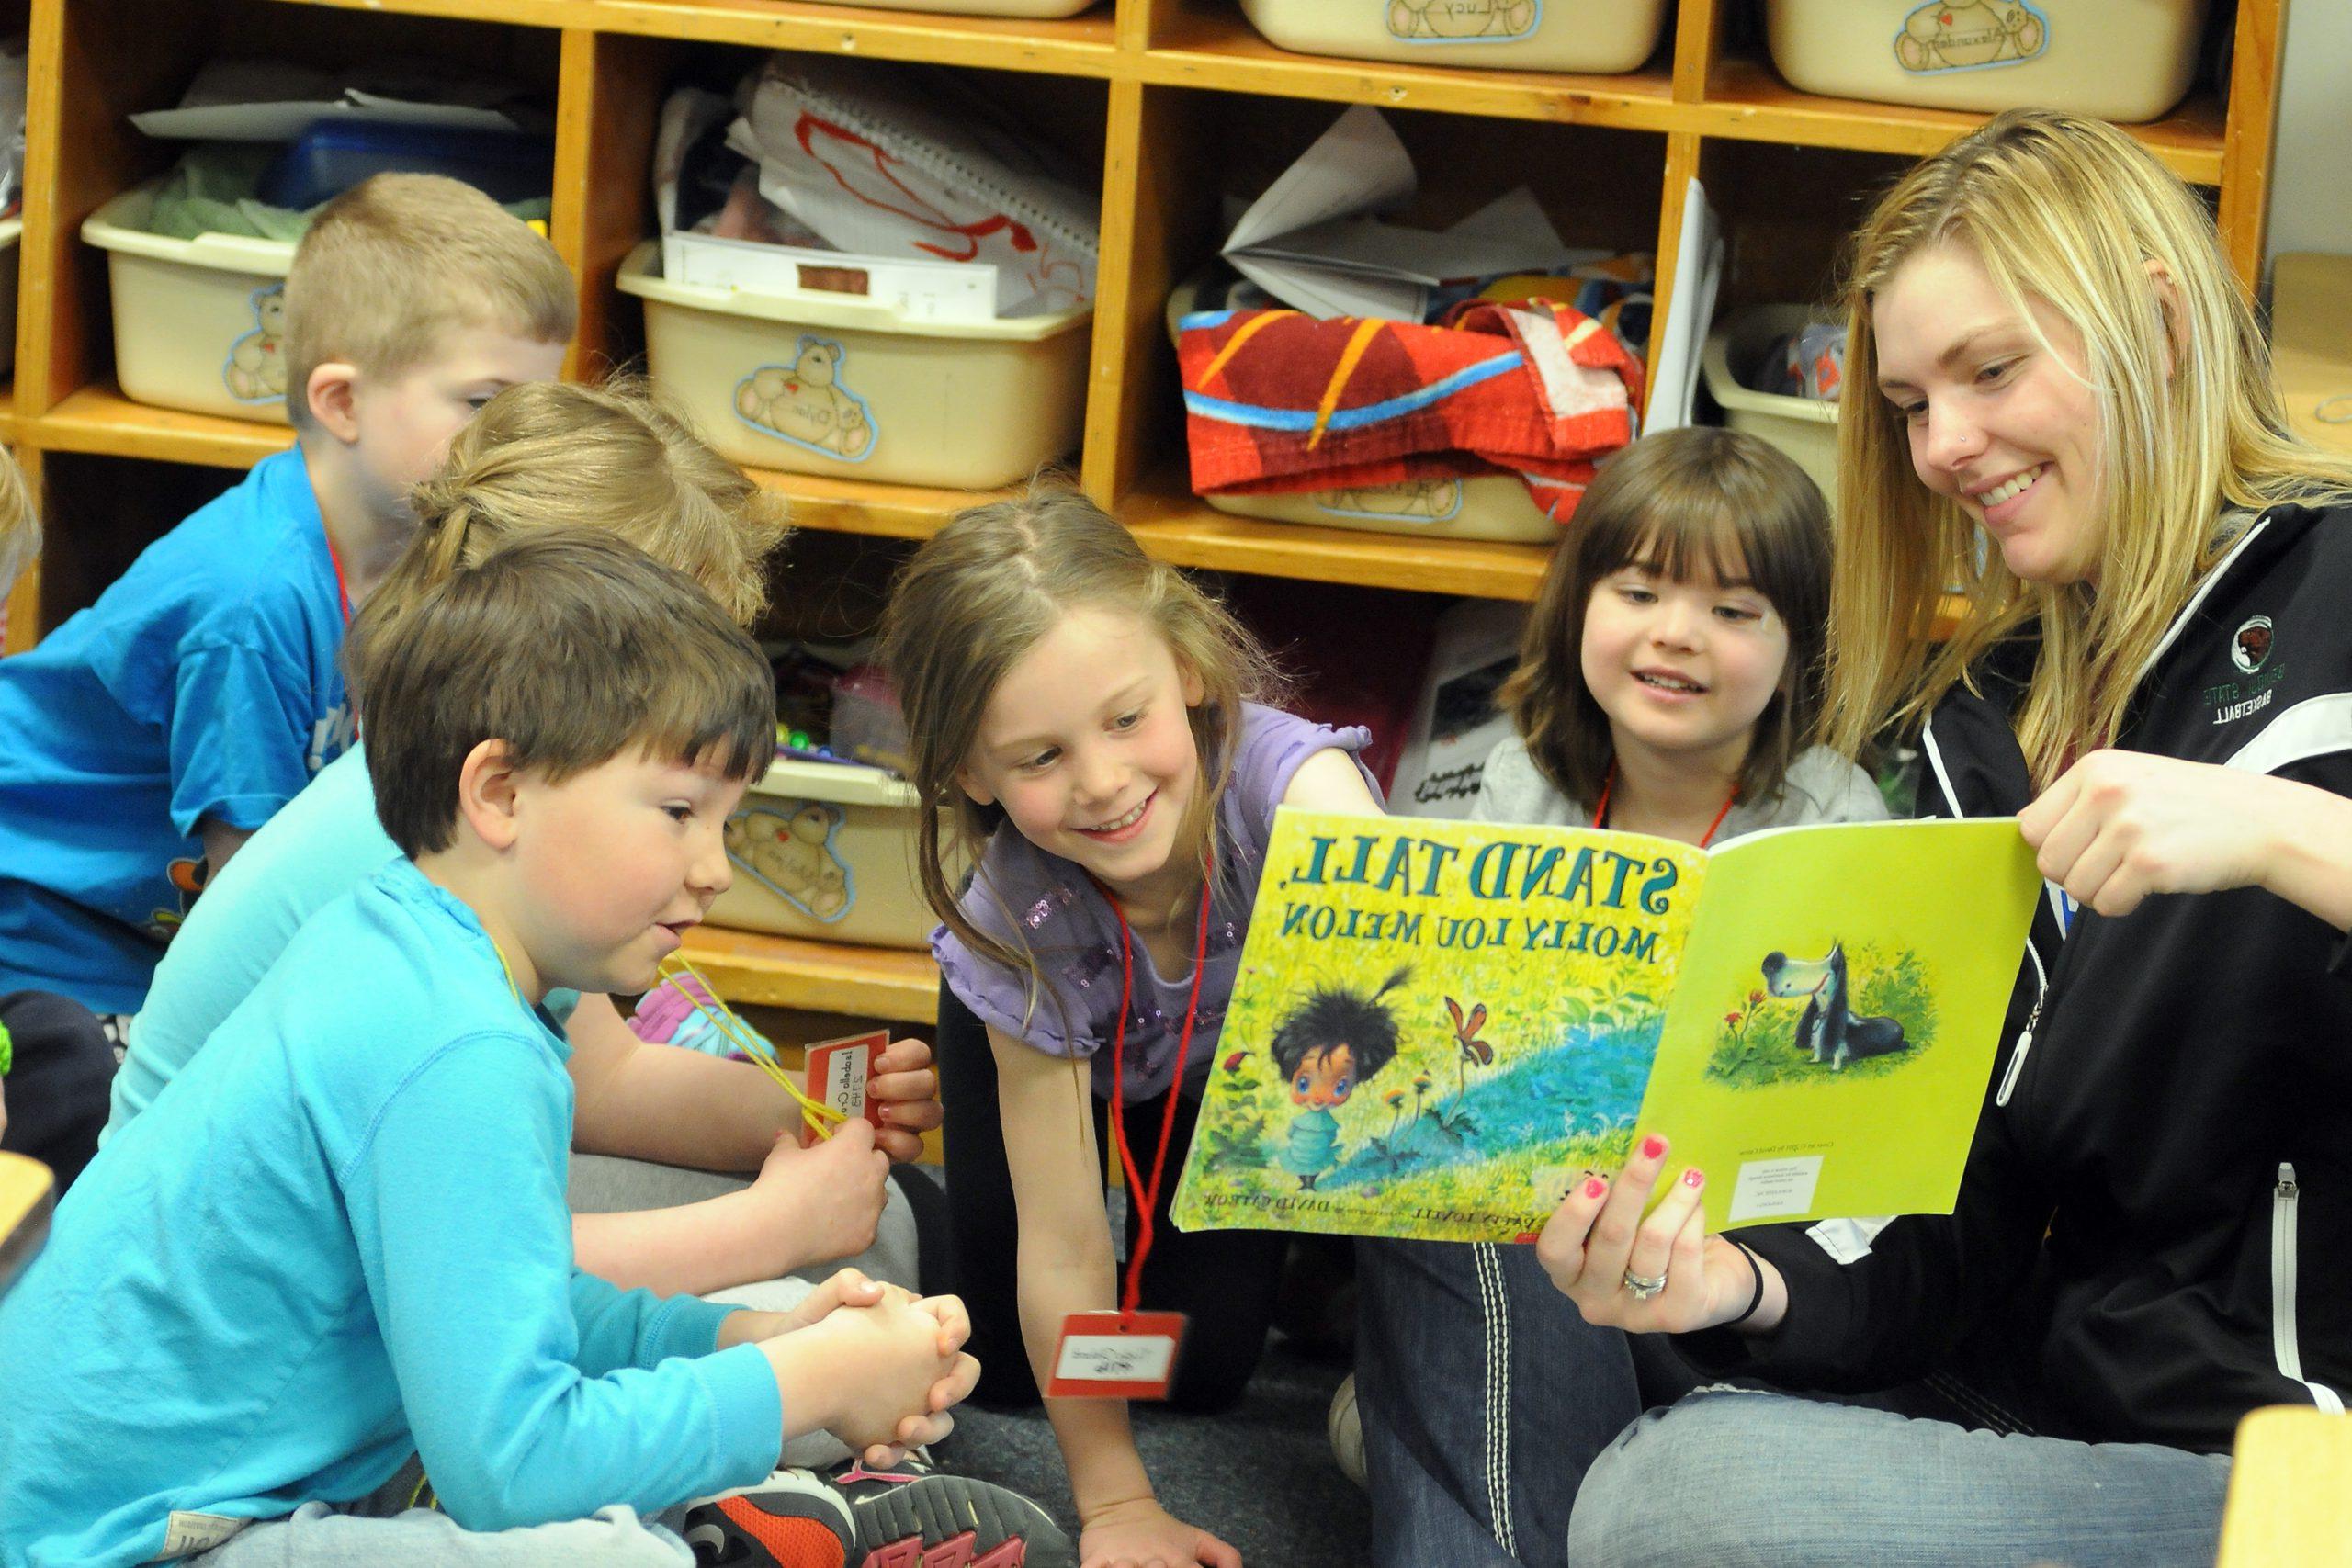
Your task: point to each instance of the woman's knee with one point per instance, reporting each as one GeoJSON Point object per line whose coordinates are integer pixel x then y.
{"type": "Point", "coordinates": [1683, 1483]}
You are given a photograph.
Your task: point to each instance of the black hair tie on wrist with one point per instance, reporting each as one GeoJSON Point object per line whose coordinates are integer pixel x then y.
{"type": "Point", "coordinates": [1756, 1267]}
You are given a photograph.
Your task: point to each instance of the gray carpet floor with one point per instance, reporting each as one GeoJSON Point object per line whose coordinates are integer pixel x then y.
{"type": "Point", "coordinates": [1261, 1476]}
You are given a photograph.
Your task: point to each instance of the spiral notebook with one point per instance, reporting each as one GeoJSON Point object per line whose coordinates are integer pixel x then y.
{"type": "Point", "coordinates": [895, 161]}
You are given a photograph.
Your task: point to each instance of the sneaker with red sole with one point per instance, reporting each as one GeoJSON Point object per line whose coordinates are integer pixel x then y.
{"type": "Point", "coordinates": [909, 1517]}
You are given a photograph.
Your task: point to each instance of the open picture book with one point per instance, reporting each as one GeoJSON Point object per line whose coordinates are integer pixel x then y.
{"type": "Point", "coordinates": [1439, 1025]}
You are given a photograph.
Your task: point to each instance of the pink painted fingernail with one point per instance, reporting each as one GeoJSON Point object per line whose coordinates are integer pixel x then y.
{"type": "Point", "coordinates": [1653, 1146]}
{"type": "Point", "coordinates": [1694, 1176]}
{"type": "Point", "coordinates": [1595, 1188]}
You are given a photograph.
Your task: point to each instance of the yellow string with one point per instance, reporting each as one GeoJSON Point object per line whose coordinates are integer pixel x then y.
{"type": "Point", "coordinates": [746, 1039]}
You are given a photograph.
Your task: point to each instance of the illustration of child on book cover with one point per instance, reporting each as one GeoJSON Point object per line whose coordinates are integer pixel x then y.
{"type": "Point", "coordinates": [1440, 1025]}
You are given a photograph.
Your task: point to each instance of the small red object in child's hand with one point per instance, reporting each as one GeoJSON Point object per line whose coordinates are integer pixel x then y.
{"type": "Point", "coordinates": [840, 1074]}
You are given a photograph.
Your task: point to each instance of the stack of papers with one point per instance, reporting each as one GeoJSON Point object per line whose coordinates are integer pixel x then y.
{"type": "Point", "coordinates": [274, 100]}
{"type": "Point", "coordinates": [1312, 241]}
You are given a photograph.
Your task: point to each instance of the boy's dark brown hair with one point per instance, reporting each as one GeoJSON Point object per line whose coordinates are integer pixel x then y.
{"type": "Point", "coordinates": [1665, 503]}
{"type": "Point", "coordinates": [569, 646]}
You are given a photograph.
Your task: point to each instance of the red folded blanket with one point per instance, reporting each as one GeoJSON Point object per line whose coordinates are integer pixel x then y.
{"type": "Point", "coordinates": [1275, 400]}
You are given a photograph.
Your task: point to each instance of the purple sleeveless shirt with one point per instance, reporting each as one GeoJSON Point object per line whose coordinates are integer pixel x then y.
{"type": "Point", "coordinates": [1075, 934]}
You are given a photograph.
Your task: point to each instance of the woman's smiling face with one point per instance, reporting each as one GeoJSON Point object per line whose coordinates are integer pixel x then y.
{"type": "Point", "coordinates": [1998, 407]}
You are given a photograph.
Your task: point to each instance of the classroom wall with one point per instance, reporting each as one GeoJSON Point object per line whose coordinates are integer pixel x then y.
{"type": "Point", "coordinates": [2311, 187]}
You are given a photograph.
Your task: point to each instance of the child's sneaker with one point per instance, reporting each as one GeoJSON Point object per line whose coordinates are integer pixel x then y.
{"type": "Point", "coordinates": [1345, 1426]}
{"type": "Point", "coordinates": [910, 1516]}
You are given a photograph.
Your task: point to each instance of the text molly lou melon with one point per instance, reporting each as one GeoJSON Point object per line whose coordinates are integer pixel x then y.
{"type": "Point", "coordinates": [1501, 871]}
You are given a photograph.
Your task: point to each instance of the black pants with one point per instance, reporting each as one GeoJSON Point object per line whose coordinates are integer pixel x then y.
{"type": "Point", "coordinates": [57, 1090]}
{"type": "Point", "coordinates": [1223, 1282]}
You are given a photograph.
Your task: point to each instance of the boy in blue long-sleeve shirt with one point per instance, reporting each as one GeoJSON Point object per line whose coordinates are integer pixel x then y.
{"type": "Point", "coordinates": [339, 1237]}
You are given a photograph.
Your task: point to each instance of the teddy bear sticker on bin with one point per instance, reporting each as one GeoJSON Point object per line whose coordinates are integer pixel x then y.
{"type": "Point", "coordinates": [256, 370]}
{"type": "Point", "coordinates": [791, 853]}
{"type": "Point", "coordinates": [1407, 501]}
{"type": "Point", "coordinates": [805, 403]}
{"type": "Point", "coordinates": [1464, 21]}
{"type": "Point", "coordinates": [1971, 36]}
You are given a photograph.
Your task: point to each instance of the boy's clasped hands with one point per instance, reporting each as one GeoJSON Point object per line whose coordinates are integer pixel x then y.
{"type": "Point", "coordinates": [874, 1365]}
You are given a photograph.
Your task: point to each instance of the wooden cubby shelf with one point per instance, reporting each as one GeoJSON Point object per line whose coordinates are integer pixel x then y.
{"type": "Point", "coordinates": [754, 970]}
{"type": "Point", "coordinates": [1178, 103]}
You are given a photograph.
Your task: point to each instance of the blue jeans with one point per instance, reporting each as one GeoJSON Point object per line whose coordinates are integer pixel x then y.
{"type": "Point", "coordinates": [1731, 1478]}
{"type": "Point", "coordinates": [1484, 1394]}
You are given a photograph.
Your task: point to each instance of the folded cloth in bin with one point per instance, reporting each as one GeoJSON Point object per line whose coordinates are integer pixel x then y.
{"type": "Point", "coordinates": [1276, 402]}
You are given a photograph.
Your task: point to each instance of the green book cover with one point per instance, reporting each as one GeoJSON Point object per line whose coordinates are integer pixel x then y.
{"type": "Point", "coordinates": [1438, 1026]}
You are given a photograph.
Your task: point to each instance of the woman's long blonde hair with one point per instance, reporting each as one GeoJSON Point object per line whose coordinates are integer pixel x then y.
{"type": "Point", "coordinates": [549, 454]}
{"type": "Point", "coordinates": [976, 597]}
{"type": "Point", "coordinates": [2076, 215]}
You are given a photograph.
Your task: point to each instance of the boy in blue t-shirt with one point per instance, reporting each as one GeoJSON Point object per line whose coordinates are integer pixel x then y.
{"type": "Point", "coordinates": [341, 1238]}
{"type": "Point", "coordinates": [145, 739]}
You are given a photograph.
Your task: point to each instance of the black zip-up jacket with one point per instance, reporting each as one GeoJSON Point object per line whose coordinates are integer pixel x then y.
{"type": "Point", "coordinates": [2153, 1234]}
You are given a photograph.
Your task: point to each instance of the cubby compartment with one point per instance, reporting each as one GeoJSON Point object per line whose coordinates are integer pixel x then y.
{"type": "Point", "coordinates": [124, 58]}
{"type": "Point", "coordinates": [1598, 188]}
{"type": "Point", "coordinates": [809, 379]}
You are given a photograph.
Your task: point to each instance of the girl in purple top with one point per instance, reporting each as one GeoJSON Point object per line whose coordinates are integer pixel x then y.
{"type": "Point", "coordinates": [1085, 717]}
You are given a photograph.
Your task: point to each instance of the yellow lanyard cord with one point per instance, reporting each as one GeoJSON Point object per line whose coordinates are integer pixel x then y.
{"type": "Point", "coordinates": [746, 1039]}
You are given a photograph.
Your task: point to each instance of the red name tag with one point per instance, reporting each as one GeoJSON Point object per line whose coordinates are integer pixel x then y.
{"type": "Point", "coordinates": [838, 1075]}
{"type": "Point", "coordinates": [1116, 1355]}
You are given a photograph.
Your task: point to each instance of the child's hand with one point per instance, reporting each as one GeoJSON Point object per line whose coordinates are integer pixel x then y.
{"type": "Point", "coordinates": [1598, 1237]}
{"type": "Point", "coordinates": [904, 1099]}
{"type": "Point", "coordinates": [846, 1288]}
{"type": "Point", "coordinates": [1142, 1534]}
{"type": "Point", "coordinates": [876, 1377]}
{"type": "Point", "coordinates": [2121, 825]}
{"type": "Point", "coordinates": [819, 1203]}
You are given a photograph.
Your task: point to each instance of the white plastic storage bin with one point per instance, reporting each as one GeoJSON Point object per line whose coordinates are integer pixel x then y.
{"type": "Point", "coordinates": [196, 323]}
{"type": "Point", "coordinates": [1484, 506]}
{"type": "Point", "coordinates": [824, 383]}
{"type": "Point", "coordinates": [11, 233]}
{"type": "Point", "coordinates": [826, 850]}
{"type": "Point", "coordinates": [1598, 36]}
{"type": "Point", "coordinates": [1805, 428]}
{"type": "Point", "coordinates": [1031, 8]}
{"type": "Point", "coordinates": [2122, 59]}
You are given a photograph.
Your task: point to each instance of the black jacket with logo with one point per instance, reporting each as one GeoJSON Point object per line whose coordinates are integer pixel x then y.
{"type": "Point", "coordinates": [2153, 1234]}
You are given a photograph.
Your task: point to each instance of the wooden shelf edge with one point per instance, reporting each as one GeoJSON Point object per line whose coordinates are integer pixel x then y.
{"type": "Point", "coordinates": [1085, 45]}
{"type": "Point", "coordinates": [1184, 530]}
{"type": "Point", "coordinates": [1747, 101]}
{"type": "Point", "coordinates": [100, 419]}
{"type": "Point", "coordinates": [751, 969]}
{"type": "Point", "coordinates": [1226, 54]}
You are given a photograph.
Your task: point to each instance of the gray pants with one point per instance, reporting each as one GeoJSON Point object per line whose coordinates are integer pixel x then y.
{"type": "Point", "coordinates": [316, 1536]}
{"type": "Point", "coordinates": [379, 1531]}
{"type": "Point", "coordinates": [1739, 1479]}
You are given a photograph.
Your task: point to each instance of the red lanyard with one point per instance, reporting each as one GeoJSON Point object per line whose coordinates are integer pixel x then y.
{"type": "Point", "coordinates": [1148, 1196]}
{"type": "Point", "coordinates": [1601, 812]}
{"type": "Point", "coordinates": [342, 590]}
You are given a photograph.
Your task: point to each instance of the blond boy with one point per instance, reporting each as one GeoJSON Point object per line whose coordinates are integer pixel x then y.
{"type": "Point", "coordinates": [144, 740]}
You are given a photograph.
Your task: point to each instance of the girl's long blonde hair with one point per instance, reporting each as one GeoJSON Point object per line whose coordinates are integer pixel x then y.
{"type": "Point", "coordinates": [2073, 214]}
{"type": "Point", "coordinates": [976, 597]}
{"type": "Point", "coordinates": [549, 454]}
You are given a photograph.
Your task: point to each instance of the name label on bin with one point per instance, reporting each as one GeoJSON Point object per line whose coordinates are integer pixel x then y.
{"type": "Point", "coordinates": [1116, 1355]}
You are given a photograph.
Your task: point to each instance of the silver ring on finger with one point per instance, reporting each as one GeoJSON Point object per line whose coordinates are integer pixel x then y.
{"type": "Point", "coordinates": [1644, 1286]}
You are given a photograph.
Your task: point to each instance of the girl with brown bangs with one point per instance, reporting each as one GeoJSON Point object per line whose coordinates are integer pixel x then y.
{"type": "Point", "coordinates": [1669, 682]}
